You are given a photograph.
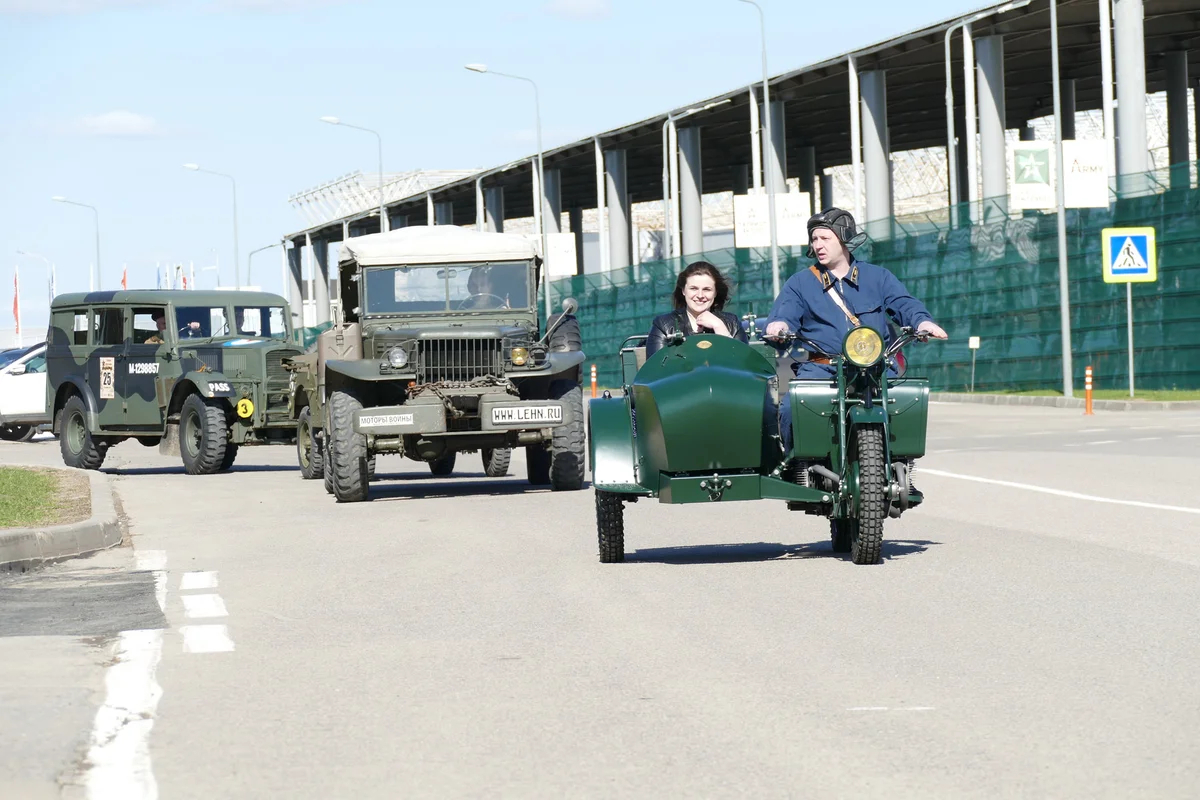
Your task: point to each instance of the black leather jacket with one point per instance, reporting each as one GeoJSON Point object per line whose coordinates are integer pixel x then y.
{"type": "Point", "coordinates": [676, 321]}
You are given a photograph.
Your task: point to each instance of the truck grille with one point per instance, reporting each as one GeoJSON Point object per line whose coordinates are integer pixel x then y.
{"type": "Point", "coordinates": [458, 359]}
{"type": "Point", "coordinates": [275, 386]}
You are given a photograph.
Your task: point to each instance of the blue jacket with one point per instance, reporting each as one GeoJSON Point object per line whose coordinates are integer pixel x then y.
{"type": "Point", "coordinates": [870, 292]}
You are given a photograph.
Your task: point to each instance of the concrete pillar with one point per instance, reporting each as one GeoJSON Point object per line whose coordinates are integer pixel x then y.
{"type": "Point", "coordinates": [617, 191]}
{"type": "Point", "coordinates": [493, 207]}
{"type": "Point", "coordinates": [775, 155]}
{"type": "Point", "coordinates": [876, 158]}
{"type": "Point", "coordinates": [480, 214]}
{"type": "Point", "coordinates": [691, 214]}
{"type": "Point", "coordinates": [430, 215]}
{"type": "Point", "coordinates": [319, 263]}
{"type": "Point", "coordinates": [295, 287]}
{"type": "Point", "coordinates": [808, 173]}
{"type": "Point", "coordinates": [1177, 118]}
{"type": "Point", "coordinates": [575, 219]}
{"type": "Point", "coordinates": [1133, 155]}
{"type": "Point", "coordinates": [1027, 133]}
{"type": "Point", "coordinates": [1066, 94]}
{"type": "Point", "coordinates": [741, 178]}
{"type": "Point", "coordinates": [993, 150]}
{"type": "Point", "coordinates": [443, 213]}
{"type": "Point", "coordinates": [552, 203]}
{"type": "Point", "coordinates": [827, 200]}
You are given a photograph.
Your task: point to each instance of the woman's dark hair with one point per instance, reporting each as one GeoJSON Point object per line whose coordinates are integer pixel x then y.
{"type": "Point", "coordinates": [701, 268]}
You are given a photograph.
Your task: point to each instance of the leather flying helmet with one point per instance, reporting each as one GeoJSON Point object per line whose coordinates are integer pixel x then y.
{"type": "Point", "coordinates": [841, 223]}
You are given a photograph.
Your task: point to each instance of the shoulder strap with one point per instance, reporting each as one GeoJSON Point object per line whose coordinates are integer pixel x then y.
{"type": "Point", "coordinates": [834, 294]}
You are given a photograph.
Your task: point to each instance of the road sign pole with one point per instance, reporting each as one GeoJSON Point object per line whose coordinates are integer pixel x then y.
{"type": "Point", "coordinates": [1129, 322]}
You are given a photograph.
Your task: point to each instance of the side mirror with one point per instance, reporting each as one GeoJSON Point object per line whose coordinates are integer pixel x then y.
{"type": "Point", "coordinates": [16, 369]}
{"type": "Point", "coordinates": [570, 305]}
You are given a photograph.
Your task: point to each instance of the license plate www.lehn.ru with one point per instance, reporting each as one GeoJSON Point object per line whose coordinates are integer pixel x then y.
{"type": "Point", "coordinates": [526, 414]}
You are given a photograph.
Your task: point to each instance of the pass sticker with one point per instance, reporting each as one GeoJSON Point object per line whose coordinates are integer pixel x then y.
{"type": "Point", "coordinates": [107, 382]}
{"type": "Point", "coordinates": [245, 407]}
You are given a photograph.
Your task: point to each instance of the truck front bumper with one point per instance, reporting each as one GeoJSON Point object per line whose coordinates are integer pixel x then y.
{"type": "Point", "coordinates": [496, 415]}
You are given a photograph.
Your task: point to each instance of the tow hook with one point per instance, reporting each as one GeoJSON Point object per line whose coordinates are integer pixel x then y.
{"type": "Point", "coordinates": [715, 487]}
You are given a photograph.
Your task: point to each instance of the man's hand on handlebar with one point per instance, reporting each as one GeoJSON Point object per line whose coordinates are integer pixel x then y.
{"type": "Point", "coordinates": [777, 330]}
{"type": "Point", "coordinates": [931, 329]}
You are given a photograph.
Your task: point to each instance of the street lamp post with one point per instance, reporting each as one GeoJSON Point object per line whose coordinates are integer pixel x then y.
{"type": "Point", "coordinates": [237, 281]}
{"type": "Point", "coordinates": [541, 175]}
{"type": "Point", "coordinates": [49, 271]}
{"type": "Point", "coordinates": [769, 183]}
{"type": "Point", "coordinates": [96, 216]}
{"type": "Point", "coordinates": [250, 260]}
{"type": "Point", "coordinates": [383, 220]}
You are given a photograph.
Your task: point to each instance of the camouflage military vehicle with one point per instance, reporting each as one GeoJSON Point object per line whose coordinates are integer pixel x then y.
{"type": "Point", "coordinates": [197, 373]}
{"type": "Point", "coordinates": [440, 353]}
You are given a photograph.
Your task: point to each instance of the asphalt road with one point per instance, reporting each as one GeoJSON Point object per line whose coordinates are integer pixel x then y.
{"type": "Point", "coordinates": [457, 637]}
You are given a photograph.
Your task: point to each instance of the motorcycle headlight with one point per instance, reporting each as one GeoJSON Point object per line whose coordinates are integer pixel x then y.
{"type": "Point", "coordinates": [519, 356]}
{"type": "Point", "coordinates": [397, 358]}
{"type": "Point", "coordinates": [863, 346]}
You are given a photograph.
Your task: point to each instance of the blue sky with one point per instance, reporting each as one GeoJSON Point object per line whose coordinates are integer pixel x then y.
{"type": "Point", "coordinates": [104, 100]}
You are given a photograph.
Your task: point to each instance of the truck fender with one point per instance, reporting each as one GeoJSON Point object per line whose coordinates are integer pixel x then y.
{"type": "Point", "coordinates": [209, 384]}
{"type": "Point", "coordinates": [562, 362]}
{"type": "Point", "coordinates": [75, 385]}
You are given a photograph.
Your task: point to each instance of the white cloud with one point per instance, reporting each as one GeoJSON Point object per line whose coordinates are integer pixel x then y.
{"type": "Point", "coordinates": [119, 123]}
{"type": "Point", "coordinates": [579, 9]}
{"type": "Point", "coordinates": [49, 7]}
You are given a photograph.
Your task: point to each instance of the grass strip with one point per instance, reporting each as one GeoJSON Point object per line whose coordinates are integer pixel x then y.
{"type": "Point", "coordinates": [27, 497]}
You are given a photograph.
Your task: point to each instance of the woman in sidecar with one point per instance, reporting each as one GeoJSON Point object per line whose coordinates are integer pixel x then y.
{"type": "Point", "coordinates": [699, 302]}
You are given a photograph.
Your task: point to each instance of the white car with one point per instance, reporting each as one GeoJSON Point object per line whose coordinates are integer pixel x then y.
{"type": "Point", "coordinates": [23, 395]}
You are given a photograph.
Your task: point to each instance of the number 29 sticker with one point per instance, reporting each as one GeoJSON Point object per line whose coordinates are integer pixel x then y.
{"type": "Point", "coordinates": [245, 407]}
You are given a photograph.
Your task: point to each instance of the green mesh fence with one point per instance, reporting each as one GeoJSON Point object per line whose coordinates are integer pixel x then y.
{"type": "Point", "coordinates": [997, 280]}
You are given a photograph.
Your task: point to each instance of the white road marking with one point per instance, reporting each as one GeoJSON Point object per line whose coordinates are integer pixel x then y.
{"type": "Point", "coordinates": [1105, 441]}
{"type": "Point", "coordinates": [197, 580]}
{"type": "Point", "coordinates": [206, 639]}
{"type": "Point", "coordinates": [1093, 430]}
{"type": "Point", "coordinates": [119, 755]}
{"type": "Point", "coordinates": [886, 708]}
{"type": "Point", "coordinates": [1147, 439]}
{"type": "Point", "coordinates": [1189, 435]}
{"type": "Point", "coordinates": [1060, 492]}
{"type": "Point", "coordinates": [203, 606]}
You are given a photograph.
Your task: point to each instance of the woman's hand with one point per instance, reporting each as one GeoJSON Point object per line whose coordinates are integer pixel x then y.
{"type": "Point", "coordinates": [710, 320]}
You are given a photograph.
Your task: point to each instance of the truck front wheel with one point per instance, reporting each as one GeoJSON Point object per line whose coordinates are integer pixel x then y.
{"type": "Point", "coordinates": [308, 447]}
{"type": "Point", "coordinates": [347, 449]}
{"type": "Point", "coordinates": [567, 448]}
{"type": "Point", "coordinates": [203, 436]}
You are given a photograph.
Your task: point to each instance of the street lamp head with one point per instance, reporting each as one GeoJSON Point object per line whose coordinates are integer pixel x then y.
{"type": "Point", "coordinates": [477, 67]}
{"type": "Point", "coordinates": [331, 120]}
{"type": "Point", "coordinates": [192, 167]}
{"type": "Point", "coordinates": [58, 198]}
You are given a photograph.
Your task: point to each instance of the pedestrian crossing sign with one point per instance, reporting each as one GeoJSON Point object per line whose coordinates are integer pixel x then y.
{"type": "Point", "coordinates": [1130, 255]}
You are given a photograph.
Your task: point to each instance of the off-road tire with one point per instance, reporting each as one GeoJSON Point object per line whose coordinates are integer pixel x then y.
{"type": "Point", "coordinates": [866, 541]}
{"type": "Point", "coordinates": [371, 467]}
{"type": "Point", "coordinates": [537, 464]}
{"type": "Point", "coordinates": [444, 464]}
{"type": "Point", "coordinates": [568, 448]}
{"type": "Point", "coordinates": [17, 432]}
{"type": "Point", "coordinates": [566, 338]}
{"type": "Point", "coordinates": [347, 449]}
{"type": "Point", "coordinates": [610, 527]}
{"type": "Point", "coordinates": [308, 447]}
{"type": "Point", "coordinates": [495, 461]}
{"type": "Point", "coordinates": [231, 451]}
{"type": "Point", "coordinates": [841, 534]}
{"type": "Point", "coordinates": [79, 448]}
{"type": "Point", "coordinates": [207, 455]}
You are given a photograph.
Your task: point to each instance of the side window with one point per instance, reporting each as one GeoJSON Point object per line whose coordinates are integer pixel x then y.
{"type": "Point", "coordinates": [80, 327]}
{"type": "Point", "coordinates": [36, 364]}
{"type": "Point", "coordinates": [149, 325]}
{"type": "Point", "coordinates": [110, 327]}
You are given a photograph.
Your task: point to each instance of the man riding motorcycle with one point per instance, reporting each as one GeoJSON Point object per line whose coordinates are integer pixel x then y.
{"type": "Point", "coordinates": [838, 293]}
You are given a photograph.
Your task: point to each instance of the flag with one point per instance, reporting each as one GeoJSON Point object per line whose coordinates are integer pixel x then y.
{"type": "Point", "coordinates": [125, 277]}
{"type": "Point", "coordinates": [17, 303]}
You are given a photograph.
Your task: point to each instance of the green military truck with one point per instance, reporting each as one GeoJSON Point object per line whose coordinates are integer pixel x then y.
{"type": "Point", "coordinates": [199, 374]}
{"type": "Point", "coordinates": [440, 353]}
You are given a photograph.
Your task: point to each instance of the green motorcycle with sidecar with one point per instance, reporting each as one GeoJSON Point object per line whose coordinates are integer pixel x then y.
{"type": "Point", "coordinates": [697, 422]}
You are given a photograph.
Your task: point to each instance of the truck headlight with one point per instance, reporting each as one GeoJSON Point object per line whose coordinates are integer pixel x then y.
{"type": "Point", "coordinates": [519, 356]}
{"type": "Point", "coordinates": [863, 346]}
{"type": "Point", "coordinates": [397, 358]}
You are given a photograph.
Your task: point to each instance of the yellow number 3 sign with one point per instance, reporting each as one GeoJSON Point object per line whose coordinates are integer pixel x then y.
{"type": "Point", "coordinates": [245, 407]}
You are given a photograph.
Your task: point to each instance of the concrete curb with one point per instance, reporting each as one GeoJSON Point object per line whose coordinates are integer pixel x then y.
{"type": "Point", "coordinates": [1064, 402]}
{"type": "Point", "coordinates": [22, 549]}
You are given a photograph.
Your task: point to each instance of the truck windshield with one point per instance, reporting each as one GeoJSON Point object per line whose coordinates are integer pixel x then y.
{"type": "Point", "coordinates": [266, 321]}
{"type": "Point", "coordinates": [441, 288]}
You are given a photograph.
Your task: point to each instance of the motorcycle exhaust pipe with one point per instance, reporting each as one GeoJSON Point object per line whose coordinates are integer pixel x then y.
{"type": "Point", "coordinates": [826, 473]}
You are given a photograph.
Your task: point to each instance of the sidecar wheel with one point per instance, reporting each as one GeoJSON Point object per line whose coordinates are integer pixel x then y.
{"type": "Point", "coordinates": [841, 534]}
{"type": "Point", "coordinates": [866, 538]}
{"type": "Point", "coordinates": [610, 525]}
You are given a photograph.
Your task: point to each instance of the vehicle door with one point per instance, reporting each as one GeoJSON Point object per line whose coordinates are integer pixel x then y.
{"type": "Point", "coordinates": [106, 364]}
{"type": "Point", "coordinates": [146, 354]}
{"type": "Point", "coordinates": [23, 385]}
{"type": "Point", "coordinates": [67, 348]}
